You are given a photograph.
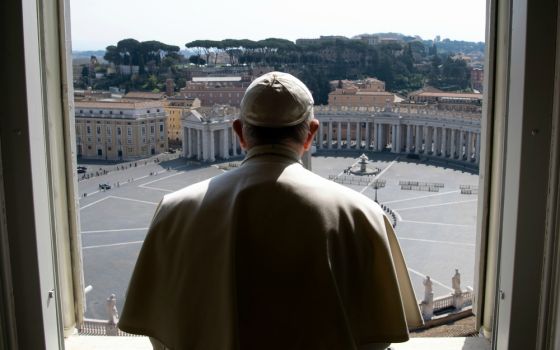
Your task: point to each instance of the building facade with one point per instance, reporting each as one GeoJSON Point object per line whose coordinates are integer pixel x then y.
{"type": "Point", "coordinates": [176, 108]}
{"type": "Point", "coordinates": [120, 130]}
{"type": "Point", "coordinates": [369, 92]}
{"type": "Point", "coordinates": [208, 135]}
{"type": "Point", "coordinates": [216, 90]}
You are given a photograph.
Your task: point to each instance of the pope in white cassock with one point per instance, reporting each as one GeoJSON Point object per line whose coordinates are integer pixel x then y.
{"type": "Point", "coordinates": [269, 255]}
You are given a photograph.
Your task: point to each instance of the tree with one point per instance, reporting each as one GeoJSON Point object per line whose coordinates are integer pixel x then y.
{"type": "Point", "coordinates": [113, 55]}
{"type": "Point", "coordinates": [129, 50]}
{"type": "Point", "coordinates": [196, 59]}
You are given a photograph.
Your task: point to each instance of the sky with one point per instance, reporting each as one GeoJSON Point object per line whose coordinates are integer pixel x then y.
{"type": "Point", "coordinates": [97, 24]}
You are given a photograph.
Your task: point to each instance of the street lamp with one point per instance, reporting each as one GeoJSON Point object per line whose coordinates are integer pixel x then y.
{"type": "Point", "coordinates": [377, 184]}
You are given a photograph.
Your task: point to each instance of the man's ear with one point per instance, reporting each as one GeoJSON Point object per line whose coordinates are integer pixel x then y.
{"type": "Point", "coordinates": [313, 127]}
{"type": "Point", "coordinates": [238, 128]}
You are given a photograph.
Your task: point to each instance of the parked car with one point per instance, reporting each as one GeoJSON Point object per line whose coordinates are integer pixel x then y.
{"type": "Point", "coordinates": [104, 186]}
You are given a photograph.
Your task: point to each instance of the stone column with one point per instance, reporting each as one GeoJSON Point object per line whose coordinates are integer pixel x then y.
{"type": "Point", "coordinates": [199, 145]}
{"type": "Point", "coordinates": [444, 142]}
{"type": "Point", "coordinates": [453, 142]}
{"type": "Point", "coordinates": [320, 135]}
{"type": "Point", "coordinates": [438, 142]}
{"type": "Point", "coordinates": [368, 140]}
{"type": "Point", "coordinates": [408, 138]}
{"type": "Point", "coordinates": [338, 135]}
{"type": "Point", "coordinates": [211, 150]}
{"type": "Point", "coordinates": [329, 134]}
{"type": "Point", "coordinates": [225, 144]}
{"type": "Point", "coordinates": [461, 144]}
{"type": "Point", "coordinates": [394, 139]}
{"type": "Point", "coordinates": [468, 147]}
{"type": "Point", "coordinates": [398, 128]}
{"type": "Point", "coordinates": [187, 147]}
{"type": "Point", "coordinates": [430, 140]}
{"type": "Point", "coordinates": [348, 135]}
{"type": "Point", "coordinates": [376, 136]}
{"type": "Point", "coordinates": [418, 139]}
{"type": "Point", "coordinates": [358, 135]}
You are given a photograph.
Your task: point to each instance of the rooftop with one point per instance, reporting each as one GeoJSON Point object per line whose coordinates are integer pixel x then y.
{"type": "Point", "coordinates": [144, 95]}
{"type": "Point", "coordinates": [449, 95]}
{"type": "Point", "coordinates": [214, 79]}
{"type": "Point", "coordinates": [118, 104]}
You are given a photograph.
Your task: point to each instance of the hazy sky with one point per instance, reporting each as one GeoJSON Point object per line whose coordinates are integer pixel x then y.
{"type": "Point", "coordinates": [97, 24]}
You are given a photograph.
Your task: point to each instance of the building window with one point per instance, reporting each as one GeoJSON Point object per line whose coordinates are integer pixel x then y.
{"type": "Point", "coordinates": [129, 131]}
{"type": "Point", "coordinates": [119, 131]}
{"type": "Point", "coordinates": [88, 129]}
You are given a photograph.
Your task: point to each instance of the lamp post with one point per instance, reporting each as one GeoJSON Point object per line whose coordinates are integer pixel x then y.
{"type": "Point", "coordinates": [377, 184]}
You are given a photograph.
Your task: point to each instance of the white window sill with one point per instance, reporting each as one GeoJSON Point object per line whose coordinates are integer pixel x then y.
{"type": "Point", "coordinates": [85, 342]}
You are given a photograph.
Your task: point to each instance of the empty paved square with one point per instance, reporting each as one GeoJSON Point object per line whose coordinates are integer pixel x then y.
{"type": "Point", "coordinates": [436, 230]}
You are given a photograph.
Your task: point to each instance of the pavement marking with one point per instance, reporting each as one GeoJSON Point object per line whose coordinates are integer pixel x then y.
{"type": "Point", "coordinates": [157, 189]}
{"type": "Point", "coordinates": [436, 205]}
{"type": "Point", "coordinates": [92, 203]}
{"type": "Point", "coordinates": [420, 197]}
{"type": "Point", "coordinates": [144, 185]}
{"type": "Point", "coordinates": [437, 223]}
{"type": "Point", "coordinates": [111, 245]}
{"type": "Point", "coordinates": [435, 241]}
{"type": "Point", "coordinates": [433, 279]}
{"type": "Point", "coordinates": [134, 200]}
{"type": "Point", "coordinates": [117, 230]}
{"type": "Point", "coordinates": [379, 175]}
{"type": "Point", "coordinates": [351, 166]}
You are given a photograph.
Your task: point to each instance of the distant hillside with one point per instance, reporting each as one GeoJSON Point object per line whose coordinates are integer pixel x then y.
{"type": "Point", "coordinates": [87, 54]}
{"type": "Point", "coordinates": [443, 46]}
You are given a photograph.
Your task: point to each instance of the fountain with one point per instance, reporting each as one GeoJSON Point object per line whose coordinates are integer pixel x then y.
{"type": "Point", "coordinates": [361, 168]}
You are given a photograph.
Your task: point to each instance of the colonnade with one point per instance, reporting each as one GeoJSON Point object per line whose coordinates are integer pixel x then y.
{"type": "Point", "coordinates": [437, 135]}
{"type": "Point", "coordinates": [400, 134]}
{"type": "Point", "coordinates": [207, 141]}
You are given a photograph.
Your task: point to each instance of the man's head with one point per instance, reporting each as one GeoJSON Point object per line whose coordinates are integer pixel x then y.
{"type": "Point", "coordinates": [277, 108]}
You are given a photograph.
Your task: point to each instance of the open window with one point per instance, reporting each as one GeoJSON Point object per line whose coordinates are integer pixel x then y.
{"type": "Point", "coordinates": [517, 262]}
